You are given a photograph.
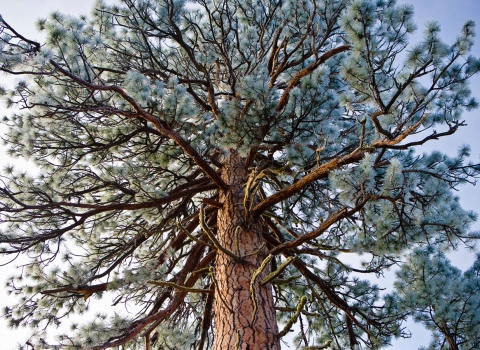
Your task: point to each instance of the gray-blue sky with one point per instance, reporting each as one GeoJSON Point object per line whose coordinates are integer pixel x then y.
{"type": "Point", "coordinates": [451, 14]}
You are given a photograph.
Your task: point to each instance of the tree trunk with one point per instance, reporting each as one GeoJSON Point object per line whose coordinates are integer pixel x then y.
{"type": "Point", "coordinates": [237, 326]}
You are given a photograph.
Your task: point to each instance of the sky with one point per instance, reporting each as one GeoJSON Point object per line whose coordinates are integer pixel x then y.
{"type": "Point", "coordinates": [451, 14]}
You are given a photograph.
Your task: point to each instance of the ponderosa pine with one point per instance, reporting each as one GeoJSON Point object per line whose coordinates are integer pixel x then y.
{"type": "Point", "coordinates": [212, 163]}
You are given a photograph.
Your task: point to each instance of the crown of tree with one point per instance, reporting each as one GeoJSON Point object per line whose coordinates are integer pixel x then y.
{"type": "Point", "coordinates": [216, 164]}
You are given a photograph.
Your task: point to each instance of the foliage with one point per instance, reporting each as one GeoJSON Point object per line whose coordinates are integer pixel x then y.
{"type": "Point", "coordinates": [443, 298]}
{"type": "Point", "coordinates": [130, 115]}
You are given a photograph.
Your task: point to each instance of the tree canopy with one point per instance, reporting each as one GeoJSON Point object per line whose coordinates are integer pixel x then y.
{"type": "Point", "coordinates": [214, 165]}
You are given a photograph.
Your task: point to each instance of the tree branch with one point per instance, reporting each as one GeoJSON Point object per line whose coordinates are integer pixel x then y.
{"type": "Point", "coordinates": [159, 124]}
{"type": "Point", "coordinates": [317, 173]}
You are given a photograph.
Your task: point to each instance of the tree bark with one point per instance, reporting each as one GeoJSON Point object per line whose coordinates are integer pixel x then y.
{"type": "Point", "coordinates": [237, 326]}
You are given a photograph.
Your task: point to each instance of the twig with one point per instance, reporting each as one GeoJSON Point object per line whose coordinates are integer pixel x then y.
{"type": "Point", "coordinates": [256, 251]}
{"type": "Point", "coordinates": [319, 347]}
{"type": "Point", "coordinates": [237, 240]}
{"type": "Point", "coordinates": [253, 294]}
{"type": "Point", "coordinates": [214, 240]}
{"type": "Point", "coordinates": [212, 274]}
{"type": "Point", "coordinates": [275, 273]}
{"type": "Point", "coordinates": [239, 339]}
{"type": "Point", "coordinates": [291, 321]}
{"type": "Point", "coordinates": [193, 238]}
{"type": "Point", "coordinates": [280, 281]}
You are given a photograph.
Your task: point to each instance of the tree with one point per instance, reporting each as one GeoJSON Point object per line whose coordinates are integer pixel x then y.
{"type": "Point", "coordinates": [442, 298]}
{"type": "Point", "coordinates": [214, 162]}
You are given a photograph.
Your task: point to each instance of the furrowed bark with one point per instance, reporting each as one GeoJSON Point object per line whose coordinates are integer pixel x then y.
{"type": "Point", "coordinates": [252, 325]}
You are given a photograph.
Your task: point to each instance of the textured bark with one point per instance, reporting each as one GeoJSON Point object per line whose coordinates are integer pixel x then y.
{"type": "Point", "coordinates": [234, 306]}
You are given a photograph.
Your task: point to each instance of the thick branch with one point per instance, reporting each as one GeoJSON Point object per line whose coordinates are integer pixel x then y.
{"type": "Point", "coordinates": [306, 71]}
{"type": "Point", "coordinates": [433, 136]}
{"type": "Point", "coordinates": [323, 170]}
{"type": "Point", "coordinates": [332, 219]}
{"type": "Point", "coordinates": [86, 291]}
{"type": "Point", "coordinates": [158, 317]}
{"type": "Point", "coordinates": [99, 208]}
{"type": "Point", "coordinates": [36, 46]}
{"type": "Point", "coordinates": [318, 173]}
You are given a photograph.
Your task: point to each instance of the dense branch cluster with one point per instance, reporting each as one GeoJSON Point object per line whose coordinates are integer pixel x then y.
{"type": "Point", "coordinates": [131, 115]}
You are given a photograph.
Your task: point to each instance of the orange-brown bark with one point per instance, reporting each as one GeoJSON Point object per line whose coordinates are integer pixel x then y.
{"type": "Point", "coordinates": [235, 325]}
